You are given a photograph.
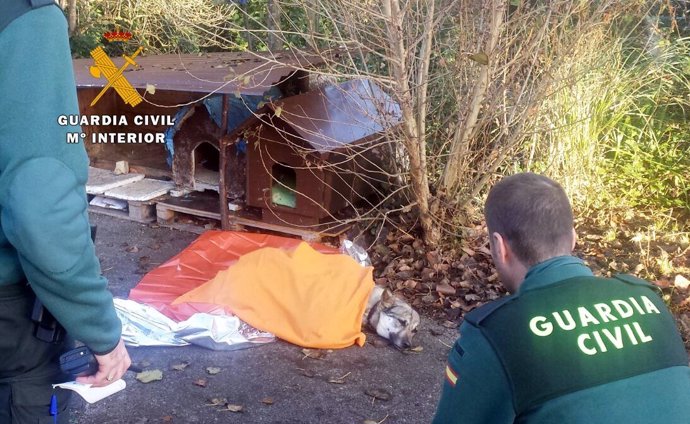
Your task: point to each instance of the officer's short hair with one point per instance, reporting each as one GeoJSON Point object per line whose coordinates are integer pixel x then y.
{"type": "Point", "coordinates": [533, 214]}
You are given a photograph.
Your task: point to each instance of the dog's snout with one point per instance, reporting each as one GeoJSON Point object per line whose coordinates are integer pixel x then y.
{"type": "Point", "coordinates": [404, 342]}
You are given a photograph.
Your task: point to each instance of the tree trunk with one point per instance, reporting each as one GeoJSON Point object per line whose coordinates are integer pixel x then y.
{"type": "Point", "coordinates": [72, 16]}
{"type": "Point", "coordinates": [247, 33]}
{"type": "Point", "coordinates": [313, 22]}
{"type": "Point", "coordinates": [273, 24]}
{"type": "Point", "coordinates": [413, 141]}
{"type": "Point", "coordinates": [455, 167]}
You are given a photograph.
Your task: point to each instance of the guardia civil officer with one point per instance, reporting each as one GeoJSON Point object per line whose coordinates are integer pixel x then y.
{"type": "Point", "coordinates": [565, 347]}
{"type": "Point", "coordinates": [45, 247]}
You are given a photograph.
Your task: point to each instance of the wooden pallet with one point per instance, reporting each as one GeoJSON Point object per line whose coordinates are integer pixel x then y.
{"type": "Point", "coordinates": [171, 211]}
{"type": "Point", "coordinates": [138, 193]}
{"type": "Point", "coordinates": [144, 212]}
{"type": "Point", "coordinates": [204, 205]}
{"type": "Point", "coordinates": [239, 221]}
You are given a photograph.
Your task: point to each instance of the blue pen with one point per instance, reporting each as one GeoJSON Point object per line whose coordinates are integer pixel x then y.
{"type": "Point", "coordinates": [54, 408]}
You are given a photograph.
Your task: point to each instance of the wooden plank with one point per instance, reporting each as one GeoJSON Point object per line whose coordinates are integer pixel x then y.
{"type": "Point", "coordinates": [195, 203]}
{"type": "Point", "coordinates": [149, 171]}
{"type": "Point", "coordinates": [166, 208]}
{"type": "Point", "coordinates": [319, 232]}
{"type": "Point", "coordinates": [207, 205]}
{"type": "Point", "coordinates": [101, 180]}
{"type": "Point", "coordinates": [142, 190]}
{"type": "Point", "coordinates": [109, 212]}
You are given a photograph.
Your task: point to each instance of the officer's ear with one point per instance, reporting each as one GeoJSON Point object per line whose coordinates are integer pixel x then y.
{"type": "Point", "coordinates": [499, 249]}
{"type": "Point", "coordinates": [574, 240]}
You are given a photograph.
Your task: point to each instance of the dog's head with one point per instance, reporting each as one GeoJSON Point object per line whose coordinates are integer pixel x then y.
{"type": "Point", "coordinates": [394, 319]}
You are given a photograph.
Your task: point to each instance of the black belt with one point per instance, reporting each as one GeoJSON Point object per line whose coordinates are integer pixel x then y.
{"type": "Point", "coordinates": [14, 290]}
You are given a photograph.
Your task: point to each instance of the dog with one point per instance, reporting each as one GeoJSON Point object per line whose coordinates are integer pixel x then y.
{"type": "Point", "coordinates": [391, 317]}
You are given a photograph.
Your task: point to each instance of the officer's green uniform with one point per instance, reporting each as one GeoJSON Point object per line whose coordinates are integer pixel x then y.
{"type": "Point", "coordinates": [568, 348]}
{"type": "Point", "coordinates": [44, 228]}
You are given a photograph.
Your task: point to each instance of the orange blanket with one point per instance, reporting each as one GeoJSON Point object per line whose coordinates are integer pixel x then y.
{"type": "Point", "coordinates": [212, 252]}
{"type": "Point", "coordinates": [305, 297]}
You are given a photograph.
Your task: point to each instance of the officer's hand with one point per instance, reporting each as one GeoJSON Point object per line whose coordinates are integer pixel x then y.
{"type": "Point", "coordinates": [111, 367]}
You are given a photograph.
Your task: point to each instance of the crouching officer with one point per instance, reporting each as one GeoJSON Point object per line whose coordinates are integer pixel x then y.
{"type": "Point", "coordinates": [565, 347]}
{"type": "Point", "coordinates": [45, 247]}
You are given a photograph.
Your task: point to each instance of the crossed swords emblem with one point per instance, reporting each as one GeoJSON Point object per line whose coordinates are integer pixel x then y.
{"type": "Point", "coordinates": [104, 66]}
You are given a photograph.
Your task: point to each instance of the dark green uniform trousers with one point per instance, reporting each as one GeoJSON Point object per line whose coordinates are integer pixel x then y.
{"type": "Point", "coordinates": [28, 366]}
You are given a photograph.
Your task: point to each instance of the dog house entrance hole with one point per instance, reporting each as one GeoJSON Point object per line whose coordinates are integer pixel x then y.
{"type": "Point", "coordinates": [206, 167]}
{"type": "Point", "coordinates": [284, 186]}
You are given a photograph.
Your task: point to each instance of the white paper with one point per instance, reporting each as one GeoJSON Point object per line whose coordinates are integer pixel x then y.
{"type": "Point", "coordinates": [93, 394]}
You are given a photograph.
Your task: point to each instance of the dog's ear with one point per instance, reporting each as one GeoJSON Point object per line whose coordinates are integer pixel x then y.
{"type": "Point", "coordinates": [387, 298]}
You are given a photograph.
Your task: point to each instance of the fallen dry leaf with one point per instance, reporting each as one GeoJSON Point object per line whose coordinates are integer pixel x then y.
{"type": "Point", "coordinates": [201, 382]}
{"type": "Point", "coordinates": [313, 353]}
{"type": "Point", "coordinates": [472, 297]}
{"type": "Point", "coordinates": [132, 249]}
{"type": "Point", "coordinates": [267, 401]}
{"type": "Point", "coordinates": [435, 331]}
{"type": "Point", "coordinates": [149, 376]}
{"type": "Point", "coordinates": [379, 394]}
{"type": "Point", "coordinates": [429, 298]}
{"type": "Point", "coordinates": [233, 408]}
{"type": "Point", "coordinates": [663, 283]}
{"type": "Point", "coordinates": [410, 284]}
{"type": "Point", "coordinates": [307, 373]}
{"type": "Point", "coordinates": [217, 402]}
{"type": "Point", "coordinates": [212, 370]}
{"type": "Point", "coordinates": [445, 288]}
{"type": "Point", "coordinates": [339, 380]}
{"type": "Point", "coordinates": [181, 366]}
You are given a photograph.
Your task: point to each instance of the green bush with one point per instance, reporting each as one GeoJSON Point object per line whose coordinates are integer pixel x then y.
{"type": "Point", "coordinates": [616, 130]}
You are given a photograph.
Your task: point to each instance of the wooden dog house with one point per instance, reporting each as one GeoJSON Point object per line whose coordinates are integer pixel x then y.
{"type": "Point", "coordinates": [192, 156]}
{"type": "Point", "coordinates": [181, 80]}
{"type": "Point", "coordinates": [289, 160]}
{"type": "Point", "coordinates": [304, 153]}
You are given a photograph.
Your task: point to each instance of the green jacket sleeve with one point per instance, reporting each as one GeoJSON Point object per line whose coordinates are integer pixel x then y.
{"type": "Point", "coordinates": [44, 217]}
{"type": "Point", "coordinates": [42, 196]}
{"type": "Point", "coordinates": [476, 389]}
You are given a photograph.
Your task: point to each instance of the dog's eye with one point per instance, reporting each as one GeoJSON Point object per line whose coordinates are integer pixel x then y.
{"type": "Point", "coordinates": [403, 322]}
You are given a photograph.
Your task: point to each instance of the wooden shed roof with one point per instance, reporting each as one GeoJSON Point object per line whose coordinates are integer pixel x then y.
{"type": "Point", "coordinates": [227, 72]}
{"type": "Point", "coordinates": [337, 115]}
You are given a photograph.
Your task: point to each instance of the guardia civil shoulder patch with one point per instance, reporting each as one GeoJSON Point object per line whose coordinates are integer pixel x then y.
{"type": "Point", "coordinates": [451, 376]}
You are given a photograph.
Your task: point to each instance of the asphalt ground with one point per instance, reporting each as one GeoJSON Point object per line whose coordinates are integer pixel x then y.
{"type": "Point", "coordinates": [272, 383]}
